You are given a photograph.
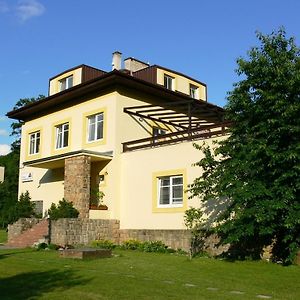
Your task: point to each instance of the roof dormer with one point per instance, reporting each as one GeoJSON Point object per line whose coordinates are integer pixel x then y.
{"type": "Point", "coordinates": [72, 77]}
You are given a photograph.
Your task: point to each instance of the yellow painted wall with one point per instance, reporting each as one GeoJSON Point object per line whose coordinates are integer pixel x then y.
{"type": "Point", "coordinates": [181, 83]}
{"type": "Point", "coordinates": [76, 115]}
{"type": "Point", "coordinates": [54, 86]}
{"type": "Point", "coordinates": [137, 171]}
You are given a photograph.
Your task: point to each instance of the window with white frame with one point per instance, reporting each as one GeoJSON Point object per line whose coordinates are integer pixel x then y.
{"type": "Point", "coordinates": [66, 83]}
{"type": "Point", "coordinates": [62, 136]}
{"type": "Point", "coordinates": [168, 82]}
{"type": "Point", "coordinates": [193, 91]}
{"type": "Point", "coordinates": [34, 142]}
{"type": "Point", "coordinates": [170, 191]}
{"type": "Point", "coordinates": [95, 127]}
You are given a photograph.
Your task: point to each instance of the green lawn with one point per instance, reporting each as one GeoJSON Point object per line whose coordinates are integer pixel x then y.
{"type": "Point", "coordinates": [3, 236]}
{"type": "Point", "coordinates": [31, 274]}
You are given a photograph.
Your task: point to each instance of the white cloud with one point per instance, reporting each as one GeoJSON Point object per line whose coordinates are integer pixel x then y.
{"type": "Point", "coordinates": [4, 149]}
{"type": "Point", "coordinates": [27, 9]}
{"type": "Point", "coordinates": [4, 7]}
{"type": "Point", "coordinates": [3, 132]}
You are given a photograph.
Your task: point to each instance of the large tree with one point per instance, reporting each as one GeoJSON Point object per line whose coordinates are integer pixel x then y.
{"type": "Point", "coordinates": [257, 169]}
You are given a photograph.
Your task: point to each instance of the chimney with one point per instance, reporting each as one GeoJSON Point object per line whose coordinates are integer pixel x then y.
{"type": "Point", "coordinates": [133, 65]}
{"type": "Point", "coordinates": [116, 60]}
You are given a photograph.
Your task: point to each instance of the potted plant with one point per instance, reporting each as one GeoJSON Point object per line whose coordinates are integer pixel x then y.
{"type": "Point", "coordinates": [97, 200]}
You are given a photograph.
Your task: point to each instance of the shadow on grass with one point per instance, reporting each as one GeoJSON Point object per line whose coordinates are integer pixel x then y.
{"type": "Point", "coordinates": [33, 285]}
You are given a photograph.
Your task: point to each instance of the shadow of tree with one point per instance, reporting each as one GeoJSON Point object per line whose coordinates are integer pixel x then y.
{"type": "Point", "coordinates": [33, 285]}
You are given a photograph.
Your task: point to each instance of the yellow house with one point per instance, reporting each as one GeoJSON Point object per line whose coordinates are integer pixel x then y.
{"type": "Point", "coordinates": [127, 133]}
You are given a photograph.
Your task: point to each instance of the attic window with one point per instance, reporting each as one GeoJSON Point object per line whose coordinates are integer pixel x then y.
{"type": "Point", "coordinates": [66, 83]}
{"type": "Point", "coordinates": [168, 82]}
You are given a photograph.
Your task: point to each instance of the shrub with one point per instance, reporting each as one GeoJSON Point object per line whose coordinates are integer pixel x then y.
{"type": "Point", "coordinates": [131, 245]}
{"type": "Point", "coordinates": [64, 209]}
{"type": "Point", "coordinates": [104, 244]}
{"type": "Point", "coordinates": [154, 246]}
{"type": "Point", "coordinates": [24, 207]}
{"type": "Point", "coordinates": [53, 247]}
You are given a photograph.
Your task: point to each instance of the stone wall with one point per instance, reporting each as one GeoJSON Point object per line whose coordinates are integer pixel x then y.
{"type": "Point", "coordinates": [83, 231]}
{"type": "Point", "coordinates": [20, 226]}
{"type": "Point", "coordinates": [176, 239]}
{"type": "Point", "coordinates": [77, 183]}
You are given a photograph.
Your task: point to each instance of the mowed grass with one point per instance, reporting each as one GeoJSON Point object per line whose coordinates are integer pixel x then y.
{"type": "Point", "coordinates": [31, 274]}
{"type": "Point", "coordinates": [3, 236]}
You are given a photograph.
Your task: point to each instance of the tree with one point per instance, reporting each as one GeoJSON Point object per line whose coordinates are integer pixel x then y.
{"type": "Point", "coordinates": [24, 207]}
{"type": "Point", "coordinates": [257, 168]}
{"type": "Point", "coordinates": [64, 209]}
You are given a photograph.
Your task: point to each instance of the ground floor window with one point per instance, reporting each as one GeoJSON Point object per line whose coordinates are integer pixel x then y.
{"type": "Point", "coordinates": [170, 191]}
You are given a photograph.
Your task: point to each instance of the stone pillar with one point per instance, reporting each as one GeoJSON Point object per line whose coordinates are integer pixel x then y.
{"type": "Point", "coordinates": [77, 183]}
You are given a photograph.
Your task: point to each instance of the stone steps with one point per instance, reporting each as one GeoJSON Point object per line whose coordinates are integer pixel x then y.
{"type": "Point", "coordinates": [36, 234]}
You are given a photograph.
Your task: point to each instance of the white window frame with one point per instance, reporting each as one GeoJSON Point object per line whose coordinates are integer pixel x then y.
{"type": "Point", "coordinates": [169, 82]}
{"type": "Point", "coordinates": [194, 91]}
{"type": "Point", "coordinates": [172, 202]}
{"type": "Point", "coordinates": [95, 122]}
{"type": "Point", "coordinates": [34, 142]}
{"type": "Point", "coordinates": [62, 135]}
{"type": "Point", "coordinates": [66, 83]}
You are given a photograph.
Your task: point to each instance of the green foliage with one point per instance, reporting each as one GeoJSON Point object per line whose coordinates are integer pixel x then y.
{"type": "Point", "coordinates": [9, 188]}
{"type": "Point", "coordinates": [193, 220]}
{"type": "Point", "coordinates": [64, 209]}
{"type": "Point", "coordinates": [24, 207]}
{"type": "Point", "coordinates": [154, 246]}
{"type": "Point", "coordinates": [131, 245]}
{"type": "Point", "coordinates": [257, 168]}
{"type": "Point", "coordinates": [103, 244]}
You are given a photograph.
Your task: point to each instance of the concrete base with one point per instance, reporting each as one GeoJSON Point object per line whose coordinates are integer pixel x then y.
{"type": "Point", "coordinates": [86, 253]}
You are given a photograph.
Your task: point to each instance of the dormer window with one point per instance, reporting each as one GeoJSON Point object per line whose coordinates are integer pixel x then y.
{"type": "Point", "coordinates": [193, 91]}
{"type": "Point", "coordinates": [66, 83]}
{"type": "Point", "coordinates": [168, 82]}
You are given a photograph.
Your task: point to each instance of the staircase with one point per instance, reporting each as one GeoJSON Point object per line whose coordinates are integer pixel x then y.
{"type": "Point", "coordinates": [38, 233]}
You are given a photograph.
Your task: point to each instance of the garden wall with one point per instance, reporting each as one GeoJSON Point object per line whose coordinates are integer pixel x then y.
{"type": "Point", "coordinates": [83, 231]}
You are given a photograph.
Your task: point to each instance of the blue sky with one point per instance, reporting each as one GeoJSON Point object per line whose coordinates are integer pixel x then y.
{"type": "Point", "coordinates": [203, 39]}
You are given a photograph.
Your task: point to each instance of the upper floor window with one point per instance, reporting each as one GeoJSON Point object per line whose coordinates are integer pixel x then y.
{"type": "Point", "coordinates": [193, 91]}
{"type": "Point", "coordinates": [66, 83]}
{"type": "Point", "coordinates": [34, 142]}
{"type": "Point", "coordinates": [168, 82]}
{"type": "Point", "coordinates": [62, 136]}
{"type": "Point", "coordinates": [156, 131]}
{"type": "Point", "coordinates": [95, 127]}
{"type": "Point", "coordinates": [170, 191]}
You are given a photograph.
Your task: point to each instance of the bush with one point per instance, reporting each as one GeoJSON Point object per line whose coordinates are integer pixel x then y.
{"type": "Point", "coordinates": [131, 245]}
{"type": "Point", "coordinates": [64, 209]}
{"type": "Point", "coordinates": [103, 244]}
{"type": "Point", "coordinates": [154, 246]}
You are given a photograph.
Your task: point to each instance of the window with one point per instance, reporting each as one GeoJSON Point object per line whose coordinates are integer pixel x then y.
{"type": "Point", "coordinates": [34, 142]}
{"type": "Point", "coordinates": [95, 127]}
{"type": "Point", "coordinates": [193, 91]}
{"type": "Point", "coordinates": [168, 82]}
{"type": "Point", "coordinates": [170, 191]}
{"type": "Point", "coordinates": [158, 131]}
{"type": "Point", "coordinates": [38, 207]}
{"type": "Point", "coordinates": [66, 83]}
{"type": "Point", "coordinates": [62, 136]}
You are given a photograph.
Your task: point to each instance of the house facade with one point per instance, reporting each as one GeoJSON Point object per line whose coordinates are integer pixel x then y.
{"type": "Point", "coordinates": [126, 134]}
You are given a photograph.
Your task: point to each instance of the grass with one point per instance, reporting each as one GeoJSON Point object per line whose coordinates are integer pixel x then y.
{"type": "Point", "coordinates": [3, 236]}
{"type": "Point", "coordinates": [31, 274]}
